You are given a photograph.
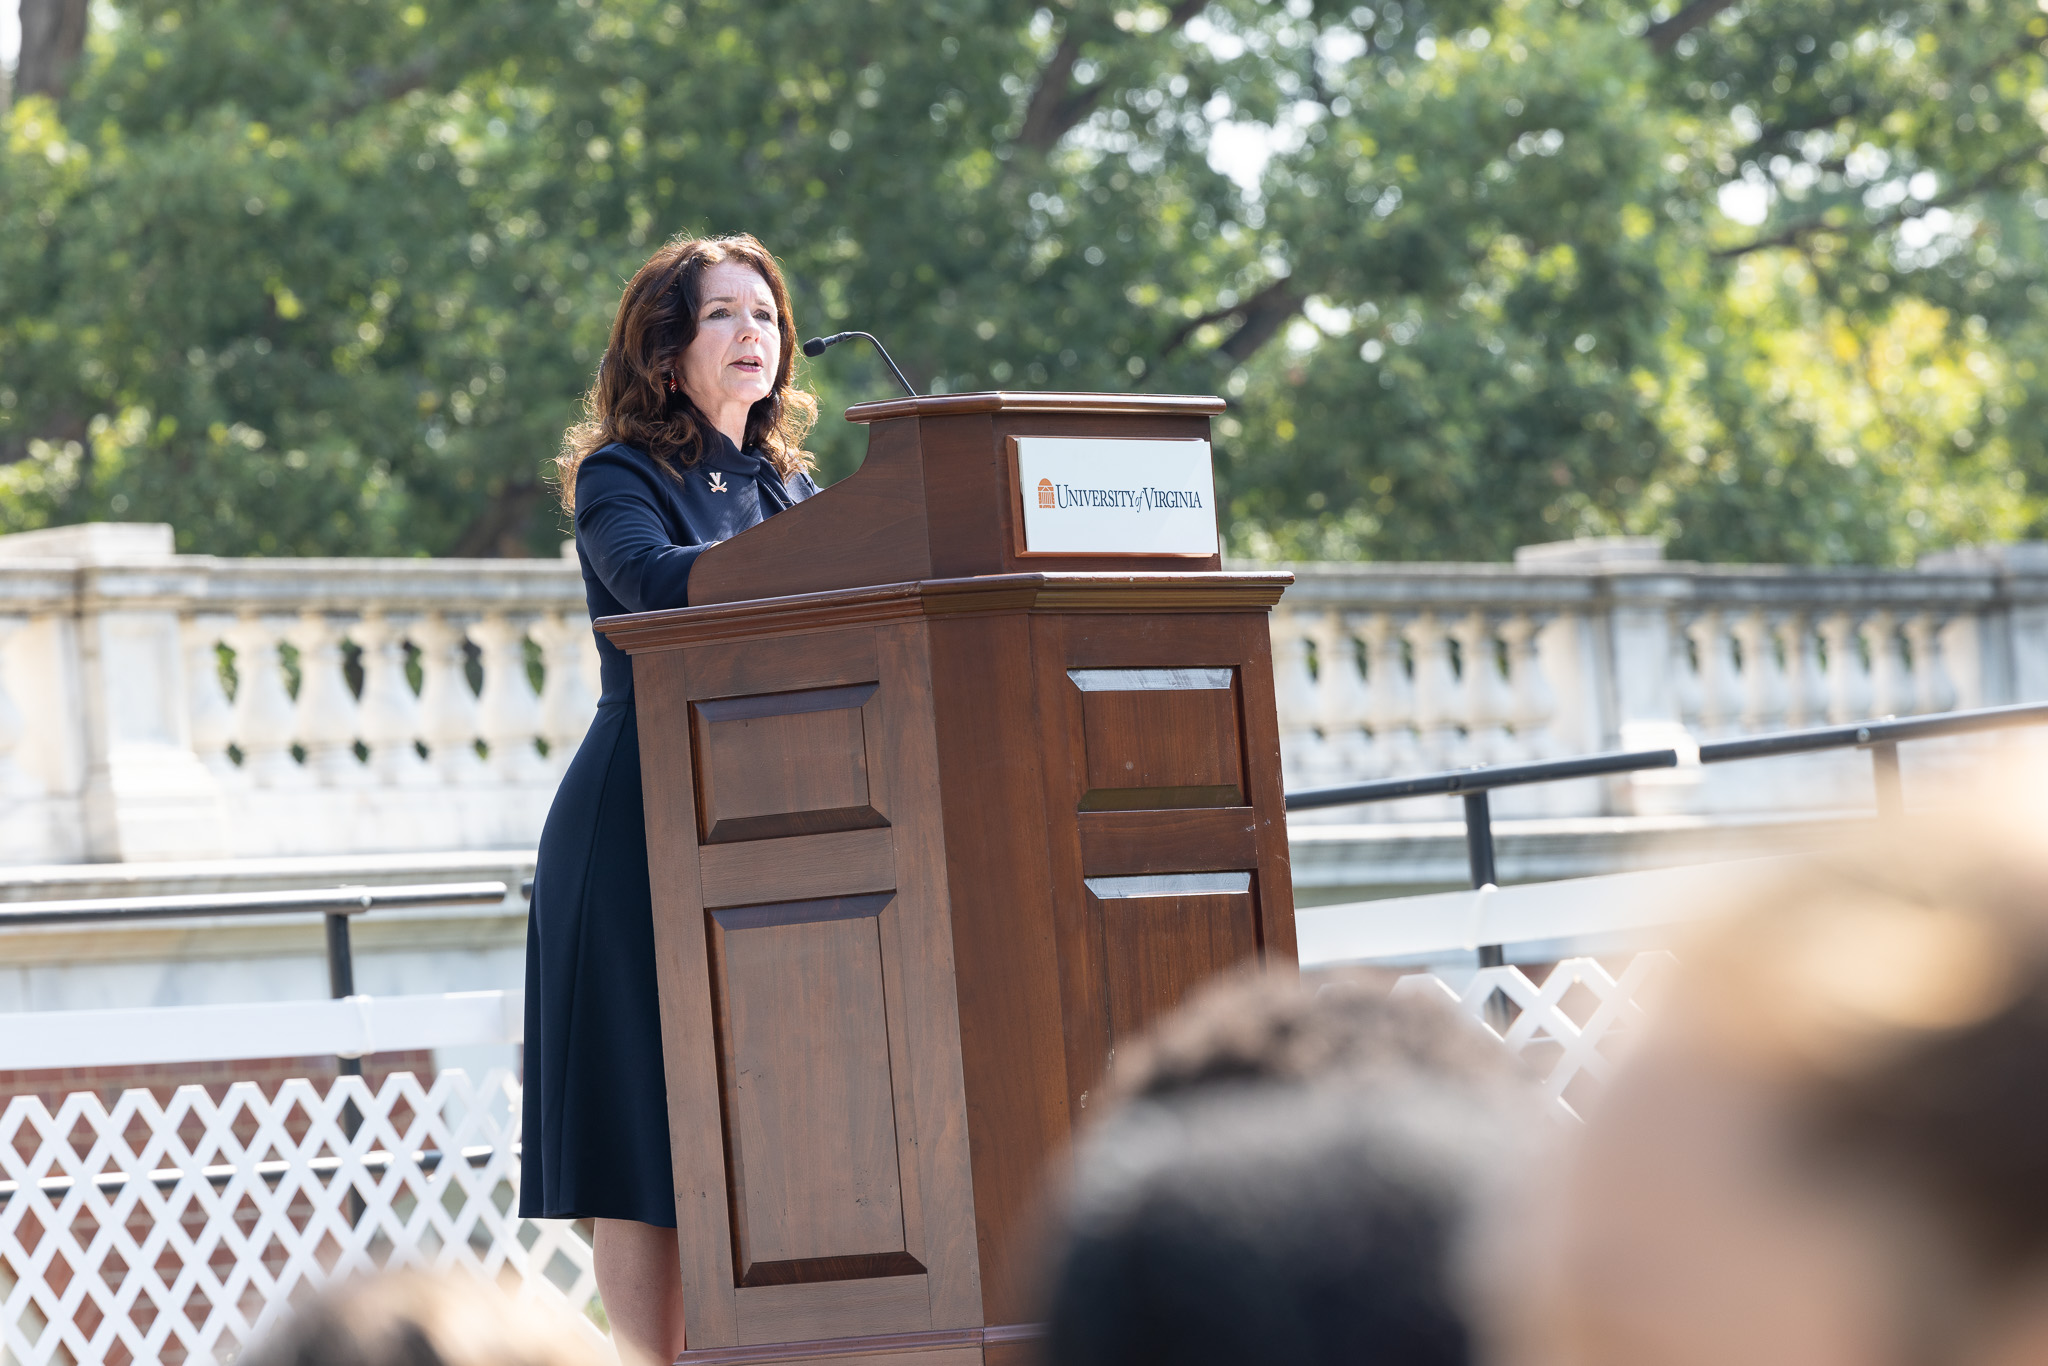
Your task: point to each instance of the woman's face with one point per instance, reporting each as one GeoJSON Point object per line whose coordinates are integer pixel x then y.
{"type": "Point", "coordinates": [730, 364]}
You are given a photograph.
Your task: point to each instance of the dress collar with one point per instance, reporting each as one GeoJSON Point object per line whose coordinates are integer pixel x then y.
{"type": "Point", "coordinates": [721, 454]}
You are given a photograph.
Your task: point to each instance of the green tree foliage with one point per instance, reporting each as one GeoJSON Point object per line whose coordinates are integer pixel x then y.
{"type": "Point", "coordinates": [330, 278]}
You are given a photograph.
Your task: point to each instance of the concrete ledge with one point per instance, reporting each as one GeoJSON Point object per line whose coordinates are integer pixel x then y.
{"type": "Point", "coordinates": [1342, 863]}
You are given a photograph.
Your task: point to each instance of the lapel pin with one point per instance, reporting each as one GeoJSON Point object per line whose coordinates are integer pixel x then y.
{"type": "Point", "coordinates": [717, 482]}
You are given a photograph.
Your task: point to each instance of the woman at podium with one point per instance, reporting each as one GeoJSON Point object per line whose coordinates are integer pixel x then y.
{"type": "Point", "coordinates": [694, 432]}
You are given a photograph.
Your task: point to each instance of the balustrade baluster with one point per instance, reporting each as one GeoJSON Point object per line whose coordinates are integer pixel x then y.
{"type": "Point", "coordinates": [264, 719]}
{"type": "Point", "coordinates": [1341, 690]}
{"type": "Point", "coordinates": [1720, 690]}
{"type": "Point", "coordinates": [568, 702]}
{"type": "Point", "coordinates": [1763, 688]}
{"type": "Point", "coordinates": [1436, 692]}
{"type": "Point", "coordinates": [1532, 710]}
{"type": "Point", "coordinates": [1932, 690]}
{"type": "Point", "coordinates": [1390, 698]}
{"type": "Point", "coordinates": [1294, 688]}
{"type": "Point", "coordinates": [389, 713]}
{"type": "Point", "coordinates": [1484, 696]}
{"type": "Point", "coordinates": [1806, 684]}
{"type": "Point", "coordinates": [16, 782]}
{"type": "Point", "coordinates": [1960, 640]}
{"type": "Point", "coordinates": [508, 707]}
{"type": "Point", "coordinates": [326, 710]}
{"type": "Point", "coordinates": [448, 709]}
{"type": "Point", "coordinates": [1848, 676]}
{"type": "Point", "coordinates": [1889, 683]}
{"type": "Point", "coordinates": [212, 714]}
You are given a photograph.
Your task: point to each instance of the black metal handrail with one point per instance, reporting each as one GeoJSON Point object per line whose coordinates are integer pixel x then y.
{"type": "Point", "coordinates": [334, 904]}
{"type": "Point", "coordinates": [1881, 736]}
{"type": "Point", "coordinates": [343, 901]}
{"type": "Point", "coordinates": [1470, 781]}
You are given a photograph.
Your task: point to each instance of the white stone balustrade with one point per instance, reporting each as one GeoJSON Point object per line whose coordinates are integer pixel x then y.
{"type": "Point", "coordinates": [156, 705]}
{"type": "Point", "coordinates": [1386, 669]}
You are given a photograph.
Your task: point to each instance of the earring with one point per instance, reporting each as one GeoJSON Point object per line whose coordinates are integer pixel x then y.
{"type": "Point", "coordinates": [673, 387]}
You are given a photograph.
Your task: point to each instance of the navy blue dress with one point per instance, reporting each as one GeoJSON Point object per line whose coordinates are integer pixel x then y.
{"type": "Point", "coordinates": [596, 1111]}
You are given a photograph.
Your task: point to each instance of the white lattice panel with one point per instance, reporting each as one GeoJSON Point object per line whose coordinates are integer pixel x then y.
{"type": "Point", "coordinates": [1569, 1027]}
{"type": "Point", "coordinates": [168, 1233]}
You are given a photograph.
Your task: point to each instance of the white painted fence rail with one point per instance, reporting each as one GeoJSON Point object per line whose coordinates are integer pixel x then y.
{"type": "Point", "coordinates": [349, 1028]}
{"type": "Point", "coordinates": [1579, 912]}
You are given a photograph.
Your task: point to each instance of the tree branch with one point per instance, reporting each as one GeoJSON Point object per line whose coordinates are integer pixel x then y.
{"type": "Point", "coordinates": [1663, 37]}
{"type": "Point", "coordinates": [52, 38]}
{"type": "Point", "coordinates": [1259, 317]}
{"type": "Point", "coordinates": [499, 530]}
{"type": "Point", "coordinates": [1057, 104]}
{"type": "Point", "coordinates": [1813, 227]}
{"type": "Point", "coordinates": [377, 86]}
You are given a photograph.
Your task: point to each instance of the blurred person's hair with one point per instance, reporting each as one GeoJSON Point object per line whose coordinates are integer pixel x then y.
{"type": "Point", "coordinates": [1895, 1007]}
{"type": "Point", "coordinates": [629, 401]}
{"type": "Point", "coordinates": [1289, 1172]}
{"type": "Point", "coordinates": [422, 1319]}
{"type": "Point", "coordinates": [1334, 1027]}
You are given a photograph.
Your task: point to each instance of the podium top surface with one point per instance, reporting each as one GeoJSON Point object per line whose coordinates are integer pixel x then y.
{"type": "Point", "coordinates": [954, 484]}
{"type": "Point", "coordinates": [1013, 401]}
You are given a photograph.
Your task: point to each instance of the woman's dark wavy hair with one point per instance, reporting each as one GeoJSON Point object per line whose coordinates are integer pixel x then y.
{"type": "Point", "coordinates": [629, 401]}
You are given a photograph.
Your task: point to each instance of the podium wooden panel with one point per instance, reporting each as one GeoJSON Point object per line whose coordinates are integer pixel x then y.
{"type": "Point", "coordinates": [923, 853]}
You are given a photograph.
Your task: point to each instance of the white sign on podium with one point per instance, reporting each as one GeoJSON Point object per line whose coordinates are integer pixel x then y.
{"type": "Point", "coordinates": [1102, 496]}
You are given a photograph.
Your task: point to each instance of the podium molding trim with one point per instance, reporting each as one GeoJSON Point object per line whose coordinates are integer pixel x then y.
{"type": "Point", "coordinates": [1012, 401]}
{"type": "Point", "coordinates": [827, 1349]}
{"type": "Point", "coordinates": [1051, 591]}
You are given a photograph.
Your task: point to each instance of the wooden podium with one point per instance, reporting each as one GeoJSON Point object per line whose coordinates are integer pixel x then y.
{"type": "Point", "coordinates": [934, 825]}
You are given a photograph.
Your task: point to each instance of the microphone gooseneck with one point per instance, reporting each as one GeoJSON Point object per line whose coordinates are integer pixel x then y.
{"type": "Point", "coordinates": [816, 347]}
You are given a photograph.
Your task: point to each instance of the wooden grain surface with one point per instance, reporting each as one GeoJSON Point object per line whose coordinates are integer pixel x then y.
{"type": "Point", "coordinates": [1034, 401]}
{"type": "Point", "coordinates": [831, 1309]}
{"type": "Point", "coordinates": [809, 616]}
{"type": "Point", "coordinates": [1012, 1047]}
{"type": "Point", "coordinates": [791, 763]}
{"type": "Point", "coordinates": [1157, 948]}
{"type": "Point", "coordinates": [1128, 843]}
{"type": "Point", "coordinates": [867, 528]}
{"type": "Point", "coordinates": [934, 1347]}
{"type": "Point", "coordinates": [798, 868]}
{"type": "Point", "coordinates": [683, 977]}
{"type": "Point", "coordinates": [934, 497]}
{"type": "Point", "coordinates": [804, 1072]}
{"type": "Point", "coordinates": [995, 986]}
{"type": "Point", "coordinates": [756, 668]}
{"type": "Point", "coordinates": [1003, 1344]}
{"type": "Point", "coordinates": [1149, 749]}
{"type": "Point", "coordinates": [930, 1087]}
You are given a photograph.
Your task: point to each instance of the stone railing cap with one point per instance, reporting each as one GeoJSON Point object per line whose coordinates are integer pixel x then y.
{"type": "Point", "coordinates": [2014, 557]}
{"type": "Point", "coordinates": [93, 543]}
{"type": "Point", "coordinates": [1592, 552]}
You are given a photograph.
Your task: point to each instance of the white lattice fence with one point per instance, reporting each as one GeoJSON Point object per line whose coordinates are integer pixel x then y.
{"type": "Point", "coordinates": [173, 1232]}
{"type": "Point", "coordinates": [151, 1232]}
{"type": "Point", "coordinates": [1569, 1027]}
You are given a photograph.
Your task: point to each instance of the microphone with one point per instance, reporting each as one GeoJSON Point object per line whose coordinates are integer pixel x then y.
{"type": "Point", "coordinates": [816, 347]}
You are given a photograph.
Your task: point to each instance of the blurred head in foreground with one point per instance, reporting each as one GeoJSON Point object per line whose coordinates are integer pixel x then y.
{"type": "Point", "coordinates": [1289, 1176]}
{"type": "Point", "coordinates": [1833, 1148]}
{"type": "Point", "coordinates": [418, 1319]}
